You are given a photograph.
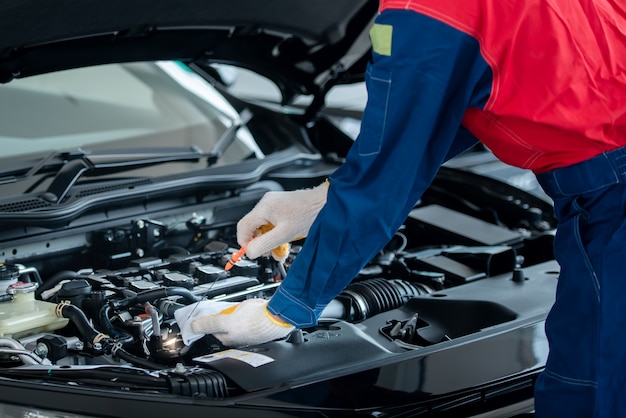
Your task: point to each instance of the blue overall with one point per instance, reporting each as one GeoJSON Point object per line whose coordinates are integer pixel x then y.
{"type": "Point", "coordinates": [586, 370]}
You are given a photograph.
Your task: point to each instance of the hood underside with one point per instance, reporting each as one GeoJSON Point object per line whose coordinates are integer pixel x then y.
{"type": "Point", "coordinates": [300, 45]}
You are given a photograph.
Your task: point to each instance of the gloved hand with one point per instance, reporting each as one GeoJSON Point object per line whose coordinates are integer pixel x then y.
{"type": "Point", "coordinates": [245, 323]}
{"type": "Point", "coordinates": [187, 314]}
{"type": "Point", "coordinates": [290, 213]}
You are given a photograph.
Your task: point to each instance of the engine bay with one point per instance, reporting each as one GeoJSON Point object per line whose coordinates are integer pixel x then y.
{"type": "Point", "coordinates": [97, 306]}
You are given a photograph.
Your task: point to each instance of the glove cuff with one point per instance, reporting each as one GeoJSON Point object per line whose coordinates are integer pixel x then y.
{"type": "Point", "coordinates": [276, 320]}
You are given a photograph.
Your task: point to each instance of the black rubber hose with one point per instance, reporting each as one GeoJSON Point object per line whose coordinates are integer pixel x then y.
{"type": "Point", "coordinates": [105, 323]}
{"type": "Point", "coordinates": [137, 361]}
{"type": "Point", "coordinates": [150, 295]}
{"type": "Point", "coordinates": [80, 321]}
{"type": "Point", "coordinates": [168, 307]}
{"type": "Point", "coordinates": [54, 280]}
{"type": "Point", "coordinates": [367, 298]}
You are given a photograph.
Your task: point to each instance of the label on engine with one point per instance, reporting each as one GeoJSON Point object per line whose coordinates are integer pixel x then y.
{"type": "Point", "coordinates": [253, 359]}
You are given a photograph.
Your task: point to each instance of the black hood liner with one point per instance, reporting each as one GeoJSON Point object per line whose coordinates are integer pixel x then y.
{"type": "Point", "coordinates": [39, 36]}
{"type": "Point", "coordinates": [28, 22]}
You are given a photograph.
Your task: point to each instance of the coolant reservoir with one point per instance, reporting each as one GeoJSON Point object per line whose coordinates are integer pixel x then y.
{"type": "Point", "coordinates": [24, 315]}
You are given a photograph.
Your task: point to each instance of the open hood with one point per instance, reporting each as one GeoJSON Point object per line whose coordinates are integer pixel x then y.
{"type": "Point", "coordinates": [303, 46]}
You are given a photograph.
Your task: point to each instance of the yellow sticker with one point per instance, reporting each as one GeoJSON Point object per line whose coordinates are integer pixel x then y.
{"type": "Point", "coordinates": [381, 38]}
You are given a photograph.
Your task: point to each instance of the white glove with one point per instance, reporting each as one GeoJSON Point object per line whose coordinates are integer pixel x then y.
{"type": "Point", "coordinates": [185, 316]}
{"type": "Point", "coordinates": [290, 213]}
{"type": "Point", "coordinates": [245, 323]}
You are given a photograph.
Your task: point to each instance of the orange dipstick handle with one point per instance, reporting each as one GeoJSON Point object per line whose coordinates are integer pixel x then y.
{"type": "Point", "coordinates": [235, 258]}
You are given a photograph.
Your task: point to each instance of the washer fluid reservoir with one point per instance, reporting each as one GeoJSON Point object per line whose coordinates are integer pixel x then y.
{"type": "Point", "coordinates": [24, 315]}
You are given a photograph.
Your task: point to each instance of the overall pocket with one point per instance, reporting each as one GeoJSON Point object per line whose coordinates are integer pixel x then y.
{"type": "Point", "coordinates": [375, 114]}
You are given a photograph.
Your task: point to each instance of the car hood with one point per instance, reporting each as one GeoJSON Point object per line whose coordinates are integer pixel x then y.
{"type": "Point", "coordinates": [303, 46]}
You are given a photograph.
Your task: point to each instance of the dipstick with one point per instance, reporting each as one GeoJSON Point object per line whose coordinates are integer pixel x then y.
{"type": "Point", "coordinates": [235, 258]}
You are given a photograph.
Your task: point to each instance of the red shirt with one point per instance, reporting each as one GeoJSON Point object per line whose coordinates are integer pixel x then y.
{"type": "Point", "coordinates": [558, 94]}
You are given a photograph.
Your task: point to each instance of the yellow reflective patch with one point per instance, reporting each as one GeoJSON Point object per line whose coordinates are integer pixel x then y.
{"type": "Point", "coordinates": [381, 38]}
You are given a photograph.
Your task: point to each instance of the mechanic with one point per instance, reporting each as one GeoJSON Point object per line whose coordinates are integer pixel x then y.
{"type": "Point", "coordinates": [542, 83]}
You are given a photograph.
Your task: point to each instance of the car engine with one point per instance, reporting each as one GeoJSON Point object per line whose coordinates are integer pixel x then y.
{"type": "Point", "coordinates": [107, 302]}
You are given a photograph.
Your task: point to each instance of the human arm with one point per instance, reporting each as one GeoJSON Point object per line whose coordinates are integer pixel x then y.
{"type": "Point", "coordinates": [412, 122]}
{"type": "Point", "coordinates": [417, 97]}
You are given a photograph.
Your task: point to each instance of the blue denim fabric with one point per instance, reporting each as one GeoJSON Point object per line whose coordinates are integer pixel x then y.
{"type": "Point", "coordinates": [585, 374]}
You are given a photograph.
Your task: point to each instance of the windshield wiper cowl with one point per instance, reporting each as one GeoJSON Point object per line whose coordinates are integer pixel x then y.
{"type": "Point", "coordinates": [110, 163]}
